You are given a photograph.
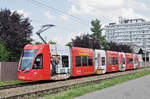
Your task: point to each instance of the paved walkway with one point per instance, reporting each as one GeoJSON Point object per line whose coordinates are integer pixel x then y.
{"type": "Point", "coordinates": [134, 89]}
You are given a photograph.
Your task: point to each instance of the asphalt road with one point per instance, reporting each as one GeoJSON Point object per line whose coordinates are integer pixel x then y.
{"type": "Point", "coordinates": [134, 89]}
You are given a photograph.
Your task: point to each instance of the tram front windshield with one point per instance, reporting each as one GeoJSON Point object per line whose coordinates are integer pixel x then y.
{"type": "Point", "coordinates": [27, 58]}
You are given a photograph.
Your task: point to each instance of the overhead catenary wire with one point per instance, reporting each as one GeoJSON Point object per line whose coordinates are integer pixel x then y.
{"type": "Point", "coordinates": [40, 23]}
{"type": "Point", "coordinates": [58, 11]}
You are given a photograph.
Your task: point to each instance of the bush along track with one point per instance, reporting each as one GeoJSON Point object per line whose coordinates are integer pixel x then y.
{"type": "Point", "coordinates": [81, 90]}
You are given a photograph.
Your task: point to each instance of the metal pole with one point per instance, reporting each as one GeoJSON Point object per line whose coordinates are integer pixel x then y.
{"type": "Point", "coordinates": [41, 38]}
{"type": "Point", "coordinates": [145, 51]}
{"type": "Point", "coordinates": [44, 28]}
{"type": "Point", "coordinates": [145, 56]}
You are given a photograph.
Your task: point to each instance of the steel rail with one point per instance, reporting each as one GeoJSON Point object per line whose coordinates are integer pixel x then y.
{"type": "Point", "coordinates": [64, 85]}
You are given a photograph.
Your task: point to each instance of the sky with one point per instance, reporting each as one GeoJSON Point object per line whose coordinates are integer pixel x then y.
{"type": "Point", "coordinates": [72, 17]}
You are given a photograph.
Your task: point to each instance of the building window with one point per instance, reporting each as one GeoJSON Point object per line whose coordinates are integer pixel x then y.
{"type": "Point", "coordinates": [78, 61]}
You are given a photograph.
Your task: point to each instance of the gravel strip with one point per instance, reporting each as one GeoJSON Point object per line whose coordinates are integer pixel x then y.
{"type": "Point", "coordinates": [36, 88]}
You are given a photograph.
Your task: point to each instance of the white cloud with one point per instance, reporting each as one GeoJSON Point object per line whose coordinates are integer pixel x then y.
{"type": "Point", "coordinates": [108, 10]}
{"type": "Point", "coordinates": [130, 13]}
{"type": "Point", "coordinates": [49, 15]}
{"type": "Point", "coordinates": [136, 5]}
{"type": "Point", "coordinates": [90, 6]}
{"type": "Point", "coordinates": [22, 12]}
{"type": "Point", "coordinates": [73, 10]}
{"type": "Point", "coordinates": [65, 17]}
{"type": "Point", "coordinates": [63, 41]}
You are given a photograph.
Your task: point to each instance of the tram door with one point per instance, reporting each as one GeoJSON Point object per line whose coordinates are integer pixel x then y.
{"type": "Point", "coordinates": [60, 61]}
{"type": "Point", "coordinates": [140, 60]}
{"type": "Point", "coordinates": [100, 61]}
{"type": "Point", "coordinates": [122, 62]}
{"type": "Point", "coordinates": [135, 61]}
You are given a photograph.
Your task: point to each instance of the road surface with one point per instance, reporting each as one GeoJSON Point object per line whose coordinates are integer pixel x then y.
{"type": "Point", "coordinates": [133, 89]}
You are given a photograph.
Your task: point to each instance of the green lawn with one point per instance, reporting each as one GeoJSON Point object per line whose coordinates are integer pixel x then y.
{"type": "Point", "coordinates": [12, 82]}
{"type": "Point", "coordinates": [80, 90]}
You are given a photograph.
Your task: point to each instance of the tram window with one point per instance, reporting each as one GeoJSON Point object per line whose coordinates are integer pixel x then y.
{"type": "Point", "coordinates": [84, 60]}
{"type": "Point", "coordinates": [129, 60]}
{"type": "Point", "coordinates": [116, 59]}
{"type": "Point", "coordinates": [113, 61]}
{"type": "Point", "coordinates": [90, 61]}
{"type": "Point", "coordinates": [38, 63]}
{"type": "Point", "coordinates": [109, 60]}
{"type": "Point", "coordinates": [78, 61]}
{"type": "Point", "coordinates": [65, 61]}
{"type": "Point", "coordinates": [123, 60]}
{"type": "Point", "coordinates": [103, 60]}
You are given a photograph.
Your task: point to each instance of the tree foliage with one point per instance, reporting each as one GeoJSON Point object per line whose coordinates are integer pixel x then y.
{"type": "Point", "coordinates": [69, 44]}
{"type": "Point", "coordinates": [52, 42]}
{"type": "Point", "coordinates": [97, 41]}
{"type": "Point", "coordinates": [37, 42]}
{"type": "Point", "coordinates": [4, 52]}
{"type": "Point", "coordinates": [119, 47]}
{"type": "Point", "coordinates": [97, 33]}
{"type": "Point", "coordinates": [86, 41]}
{"type": "Point", "coordinates": [15, 32]}
{"type": "Point", "coordinates": [96, 29]}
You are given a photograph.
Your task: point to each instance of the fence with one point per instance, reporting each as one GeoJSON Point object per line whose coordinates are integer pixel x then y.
{"type": "Point", "coordinates": [8, 71]}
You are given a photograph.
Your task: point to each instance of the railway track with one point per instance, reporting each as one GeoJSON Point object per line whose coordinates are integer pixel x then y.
{"type": "Point", "coordinates": [2, 87]}
{"type": "Point", "coordinates": [55, 87]}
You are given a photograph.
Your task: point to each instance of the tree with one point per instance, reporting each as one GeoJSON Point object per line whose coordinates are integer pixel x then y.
{"type": "Point", "coordinates": [4, 53]}
{"type": "Point", "coordinates": [37, 42]}
{"type": "Point", "coordinates": [119, 47]}
{"type": "Point", "coordinates": [126, 48]}
{"type": "Point", "coordinates": [86, 41]}
{"type": "Point", "coordinates": [69, 44]}
{"type": "Point", "coordinates": [52, 42]}
{"type": "Point", "coordinates": [96, 29]}
{"type": "Point", "coordinates": [15, 32]}
{"type": "Point", "coordinates": [97, 33]}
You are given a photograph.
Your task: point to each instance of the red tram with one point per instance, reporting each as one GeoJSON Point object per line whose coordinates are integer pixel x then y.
{"type": "Point", "coordinates": [129, 61]}
{"type": "Point", "coordinates": [35, 63]}
{"type": "Point", "coordinates": [55, 62]}
{"type": "Point", "coordinates": [112, 61]}
{"type": "Point", "coordinates": [82, 61]}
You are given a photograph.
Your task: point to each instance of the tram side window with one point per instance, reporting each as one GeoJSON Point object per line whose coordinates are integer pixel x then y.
{"type": "Point", "coordinates": [38, 63]}
{"type": "Point", "coordinates": [103, 60]}
{"type": "Point", "coordinates": [65, 61]}
{"type": "Point", "coordinates": [113, 61]}
{"type": "Point", "coordinates": [84, 60]}
{"type": "Point", "coordinates": [109, 60]}
{"type": "Point", "coordinates": [130, 60]}
{"type": "Point", "coordinates": [78, 61]}
{"type": "Point", "coordinates": [90, 61]}
{"type": "Point", "coordinates": [116, 59]}
{"type": "Point", "coordinates": [123, 60]}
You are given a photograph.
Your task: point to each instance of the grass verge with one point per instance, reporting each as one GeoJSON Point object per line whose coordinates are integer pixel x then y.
{"type": "Point", "coordinates": [12, 82]}
{"type": "Point", "coordinates": [80, 90]}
